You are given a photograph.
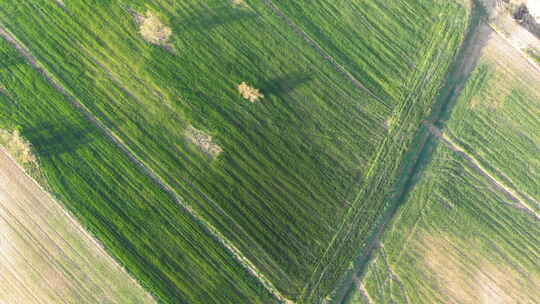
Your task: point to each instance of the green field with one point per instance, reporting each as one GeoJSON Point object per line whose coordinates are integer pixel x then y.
{"type": "Point", "coordinates": [380, 42]}
{"type": "Point", "coordinates": [143, 228]}
{"type": "Point", "coordinates": [467, 231]}
{"type": "Point", "coordinates": [306, 172]}
{"type": "Point", "coordinates": [457, 239]}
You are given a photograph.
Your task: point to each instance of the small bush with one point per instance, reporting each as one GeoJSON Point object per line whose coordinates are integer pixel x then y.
{"type": "Point", "coordinates": [250, 93]}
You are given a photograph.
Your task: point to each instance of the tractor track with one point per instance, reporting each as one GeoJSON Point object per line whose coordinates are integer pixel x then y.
{"type": "Point", "coordinates": [520, 199]}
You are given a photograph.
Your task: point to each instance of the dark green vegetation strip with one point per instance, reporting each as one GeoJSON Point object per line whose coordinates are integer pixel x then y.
{"type": "Point", "coordinates": [306, 171]}
{"type": "Point", "coordinates": [151, 236]}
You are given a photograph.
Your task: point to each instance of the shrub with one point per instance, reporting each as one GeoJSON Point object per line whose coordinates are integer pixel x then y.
{"type": "Point", "coordinates": [250, 93]}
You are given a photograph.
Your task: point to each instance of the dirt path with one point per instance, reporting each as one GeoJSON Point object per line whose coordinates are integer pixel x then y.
{"type": "Point", "coordinates": [238, 255]}
{"type": "Point", "coordinates": [341, 69]}
{"type": "Point", "coordinates": [513, 194]}
{"type": "Point", "coordinates": [46, 256]}
{"type": "Point", "coordinates": [469, 55]}
{"type": "Point", "coordinates": [363, 292]}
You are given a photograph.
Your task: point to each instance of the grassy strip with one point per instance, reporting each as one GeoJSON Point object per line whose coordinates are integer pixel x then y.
{"type": "Point", "coordinates": [148, 233]}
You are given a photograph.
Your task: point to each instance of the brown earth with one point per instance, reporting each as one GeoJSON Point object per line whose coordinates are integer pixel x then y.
{"type": "Point", "coordinates": [46, 256]}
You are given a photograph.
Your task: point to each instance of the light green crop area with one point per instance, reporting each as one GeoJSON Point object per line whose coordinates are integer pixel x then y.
{"type": "Point", "coordinates": [457, 239]}
{"type": "Point", "coordinates": [497, 119]}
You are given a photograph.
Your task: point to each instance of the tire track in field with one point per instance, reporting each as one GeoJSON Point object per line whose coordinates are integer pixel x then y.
{"type": "Point", "coordinates": [362, 290]}
{"type": "Point", "coordinates": [341, 69]}
{"type": "Point", "coordinates": [233, 250]}
{"type": "Point", "coordinates": [510, 192]}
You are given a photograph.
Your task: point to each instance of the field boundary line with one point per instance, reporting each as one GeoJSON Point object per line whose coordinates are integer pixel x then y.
{"type": "Point", "coordinates": [475, 164]}
{"type": "Point", "coordinates": [75, 223]}
{"type": "Point", "coordinates": [340, 68]}
{"type": "Point", "coordinates": [227, 244]}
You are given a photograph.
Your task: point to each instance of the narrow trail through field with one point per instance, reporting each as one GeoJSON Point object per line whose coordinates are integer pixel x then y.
{"type": "Point", "coordinates": [463, 65]}
{"type": "Point", "coordinates": [341, 69]}
{"type": "Point", "coordinates": [363, 291]}
{"type": "Point", "coordinates": [235, 252]}
{"type": "Point", "coordinates": [512, 193]}
{"type": "Point", "coordinates": [478, 37]}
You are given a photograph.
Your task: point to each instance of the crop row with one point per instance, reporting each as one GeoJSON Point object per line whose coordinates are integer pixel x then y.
{"type": "Point", "coordinates": [142, 227]}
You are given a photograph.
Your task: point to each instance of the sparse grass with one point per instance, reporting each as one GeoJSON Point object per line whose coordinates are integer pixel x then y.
{"type": "Point", "coordinates": [17, 146]}
{"type": "Point", "coordinates": [457, 237]}
{"type": "Point", "coordinates": [503, 129]}
{"type": "Point", "coordinates": [456, 240]}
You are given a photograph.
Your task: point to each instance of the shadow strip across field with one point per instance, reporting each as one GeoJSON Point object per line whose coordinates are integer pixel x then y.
{"type": "Point", "coordinates": [236, 253]}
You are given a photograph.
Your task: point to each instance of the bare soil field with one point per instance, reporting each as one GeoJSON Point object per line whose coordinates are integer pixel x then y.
{"type": "Point", "coordinates": [46, 256]}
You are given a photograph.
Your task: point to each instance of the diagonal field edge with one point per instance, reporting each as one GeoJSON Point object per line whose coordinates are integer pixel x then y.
{"type": "Point", "coordinates": [476, 164]}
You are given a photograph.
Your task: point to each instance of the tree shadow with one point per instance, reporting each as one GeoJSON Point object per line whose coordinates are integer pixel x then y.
{"type": "Point", "coordinates": [284, 84]}
{"type": "Point", "coordinates": [60, 137]}
{"type": "Point", "coordinates": [210, 18]}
